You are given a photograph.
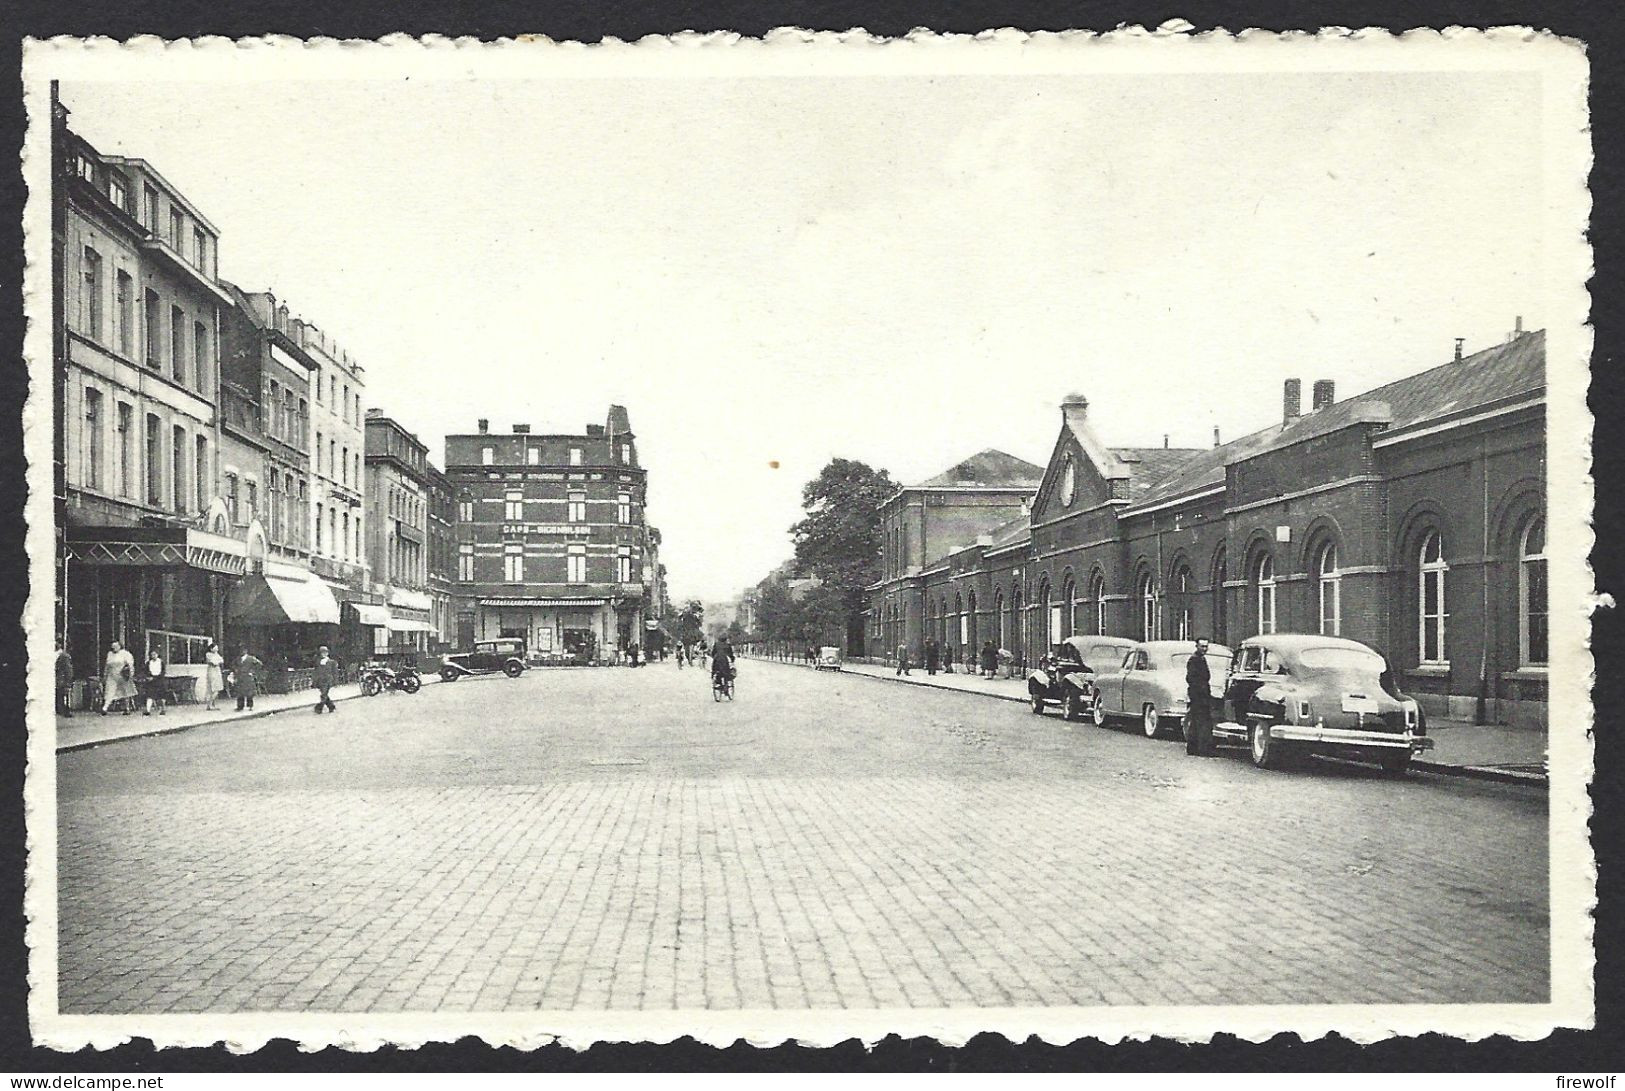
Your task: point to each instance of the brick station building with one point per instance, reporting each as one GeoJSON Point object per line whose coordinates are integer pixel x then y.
{"type": "Point", "coordinates": [1410, 517]}
{"type": "Point", "coordinates": [552, 545]}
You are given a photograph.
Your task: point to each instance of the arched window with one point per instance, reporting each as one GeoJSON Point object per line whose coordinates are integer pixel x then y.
{"type": "Point", "coordinates": [1532, 632]}
{"type": "Point", "coordinates": [1430, 602]}
{"type": "Point", "coordinates": [1049, 619]}
{"type": "Point", "coordinates": [1184, 621]}
{"type": "Point", "coordinates": [972, 640]}
{"type": "Point", "coordinates": [1097, 593]}
{"type": "Point", "coordinates": [1018, 642]}
{"type": "Point", "coordinates": [1221, 612]}
{"type": "Point", "coordinates": [1145, 591]}
{"type": "Point", "coordinates": [1001, 619]}
{"type": "Point", "coordinates": [1264, 592]}
{"type": "Point", "coordinates": [961, 634]}
{"type": "Point", "coordinates": [1069, 604]}
{"type": "Point", "coordinates": [1328, 589]}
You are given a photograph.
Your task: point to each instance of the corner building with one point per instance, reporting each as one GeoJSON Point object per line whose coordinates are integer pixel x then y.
{"type": "Point", "coordinates": [552, 544]}
{"type": "Point", "coordinates": [1411, 517]}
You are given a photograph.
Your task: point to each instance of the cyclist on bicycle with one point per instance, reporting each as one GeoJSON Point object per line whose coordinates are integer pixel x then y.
{"type": "Point", "coordinates": [722, 660]}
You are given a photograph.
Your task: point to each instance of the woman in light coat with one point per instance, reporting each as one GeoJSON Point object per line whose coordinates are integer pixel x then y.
{"type": "Point", "coordinates": [214, 675]}
{"type": "Point", "coordinates": [118, 678]}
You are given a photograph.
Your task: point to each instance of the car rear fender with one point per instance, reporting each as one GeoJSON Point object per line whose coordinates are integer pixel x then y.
{"type": "Point", "coordinates": [458, 667]}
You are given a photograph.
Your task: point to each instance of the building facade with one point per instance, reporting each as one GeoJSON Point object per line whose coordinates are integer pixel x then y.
{"type": "Point", "coordinates": [1410, 517]}
{"type": "Point", "coordinates": [552, 543]}
{"type": "Point", "coordinates": [146, 552]}
{"type": "Point", "coordinates": [442, 559]}
{"type": "Point", "coordinates": [397, 502]}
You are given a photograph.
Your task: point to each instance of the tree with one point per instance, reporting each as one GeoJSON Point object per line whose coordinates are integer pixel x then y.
{"type": "Point", "coordinates": [690, 624]}
{"type": "Point", "coordinates": [839, 542]}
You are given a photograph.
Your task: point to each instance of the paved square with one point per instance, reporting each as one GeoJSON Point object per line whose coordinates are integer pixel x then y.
{"type": "Point", "coordinates": [599, 839]}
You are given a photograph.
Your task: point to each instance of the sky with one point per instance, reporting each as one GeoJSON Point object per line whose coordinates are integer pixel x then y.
{"type": "Point", "coordinates": [769, 273]}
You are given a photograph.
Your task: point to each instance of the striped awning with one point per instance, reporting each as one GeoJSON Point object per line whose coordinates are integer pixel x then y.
{"type": "Point", "coordinates": [539, 603]}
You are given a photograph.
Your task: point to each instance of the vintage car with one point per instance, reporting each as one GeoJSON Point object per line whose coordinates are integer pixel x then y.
{"type": "Point", "coordinates": [1291, 693]}
{"type": "Point", "coordinates": [1148, 684]}
{"type": "Point", "coordinates": [506, 654]}
{"type": "Point", "coordinates": [1062, 678]}
{"type": "Point", "coordinates": [829, 659]}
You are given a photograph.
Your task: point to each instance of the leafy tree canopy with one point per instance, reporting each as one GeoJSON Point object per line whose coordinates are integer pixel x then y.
{"type": "Point", "coordinates": [839, 539]}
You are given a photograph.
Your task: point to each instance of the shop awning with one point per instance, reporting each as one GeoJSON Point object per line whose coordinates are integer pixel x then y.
{"type": "Point", "coordinates": [539, 603]}
{"type": "Point", "coordinates": [162, 547]}
{"type": "Point", "coordinates": [409, 625]}
{"type": "Point", "coordinates": [368, 614]}
{"type": "Point", "coordinates": [278, 600]}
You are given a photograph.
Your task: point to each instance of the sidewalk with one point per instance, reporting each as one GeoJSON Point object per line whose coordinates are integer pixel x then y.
{"type": "Point", "coordinates": [1489, 752]}
{"type": "Point", "coordinates": [86, 729]}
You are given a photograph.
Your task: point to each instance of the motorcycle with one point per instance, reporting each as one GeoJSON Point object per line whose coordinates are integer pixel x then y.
{"type": "Point", "coordinates": [376, 678]}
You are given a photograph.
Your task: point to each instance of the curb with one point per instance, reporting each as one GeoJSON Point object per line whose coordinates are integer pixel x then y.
{"type": "Point", "coordinates": [1468, 772]}
{"type": "Point", "coordinates": [176, 730]}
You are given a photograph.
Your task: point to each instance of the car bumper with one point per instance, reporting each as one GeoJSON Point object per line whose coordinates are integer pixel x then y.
{"type": "Point", "coordinates": [1337, 736]}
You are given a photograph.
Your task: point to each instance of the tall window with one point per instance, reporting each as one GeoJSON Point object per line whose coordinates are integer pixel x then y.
{"type": "Point", "coordinates": [513, 562]}
{"type": "Point", "coordinates": [465, 511]}
{"type": "Point", "coordinates": [1329, 593]}
{"type": "Point", "coordinates": [578, 507]}
{"type": "Point", "coordinates": [626, 453]}
{"type": "Point", "coordinates": [232, 497]}
{"type": "Point", "coordinates": [344, 543]}
{"type": "Point", "coordinates": [488, 455]}
{"type": "Point", "coordinates": [623, 564]}
{"type": "Point", "coordinates": [177, 224]}
{"type": "Point", "coordinates": [1532, 631]}
{"type": "Point", "coordinates": [126, 449]}
{"type": "Point", "coordinates": [465, 562]}
{"type": "Point", "coordinates": [150, 197]}
{"type": "Point", "coordinates": [1264, 592]}
{"type": "Point", "coordinates": [1431, 613]}
{"type": "Point", "coordinates": [1097, 594]}
{"type": "Point", "coordinates": [90, 298]}
{"type": "Point", "coordinates": [623, 508]}
{"type": "Point", "coordinates": [118, 190]}
{"type": "Point", "coordinates": [274, 488]}
{"type": "Point", "coordinates": [344, 463]}
{"type": "Point", "coordinates": [575, 456]}
{"type": "Point", "coordinates": [1052, 616]}
{"type": "Point", "coordinates": [1184, 622]}
{"type": "Point", "coordinates": [125, 299]}
{"type": "Point", "coordinates": [576, 564]}
{"type": "Point", "coordinates": [304, 423]}
{"type": "Point", "coordinates": [93, 438]}
{"type": "Point", "coordinates": [177, 344]}
{"type": "Point", "coordinates": [533, 456]}
{"type": "Point", "coordinates": [200, 473]}
{"type": "Point", "coordinates": [321, 513]}
{"type": "Point", "coordinates": [1146, 592]}
{"type": "Point", "coordinates": [200, 249]}
{"type": "Point", "coordinates": [513, 506]}
{"type": "Point", "coordinates": [155, 462]}
{"type": "Point", "coordinates": [177, 461]}
{"type": "Point", "coordinates": [251, 500]}
{"type": "Point", "coordinates": [150, 315]}
{"type": "Point", "coordinates": [201, 371]}
{"type": "Point", "coordinates": [347, 403]}
{"type": "Point", "coordinates": [1221, 608]}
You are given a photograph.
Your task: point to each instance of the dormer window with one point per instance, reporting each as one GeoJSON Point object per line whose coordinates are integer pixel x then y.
{"type": "Point", "coordinates": [118, 191]}
{"type": "Point", "coordinates": [84, 168]}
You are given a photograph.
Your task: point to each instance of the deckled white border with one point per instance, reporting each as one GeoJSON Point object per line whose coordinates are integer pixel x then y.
{"type": "Point", "coordinates": [1566, 153]}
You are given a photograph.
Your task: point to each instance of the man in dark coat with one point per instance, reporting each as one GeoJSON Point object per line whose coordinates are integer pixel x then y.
{"type": "Point", "coordinates": [931, 657]}
{"type": "Point", "coordinates": [245, 678]}
{"type": "Point", "coordinates": [64, 680]}
{"type": "Point", "coordinates": [1199, 694]}
{"type": "Point", "coordinates": [325, 676]}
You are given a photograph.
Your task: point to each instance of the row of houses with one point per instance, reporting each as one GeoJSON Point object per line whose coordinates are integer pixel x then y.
{"type": "Point", "coordinates": [1410, 517]}
{"type": "Point", "coordinates": [221, 478]}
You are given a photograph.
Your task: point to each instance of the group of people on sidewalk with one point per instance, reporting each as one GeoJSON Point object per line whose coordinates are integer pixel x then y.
{"type": "Point", "coordinates": [940, 658]}
{"type": "Point", "coordinates": [126, 687]}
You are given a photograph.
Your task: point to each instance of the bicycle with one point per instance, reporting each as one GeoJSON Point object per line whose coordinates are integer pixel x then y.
{"type": "Point", "coordinates": [722, 685]}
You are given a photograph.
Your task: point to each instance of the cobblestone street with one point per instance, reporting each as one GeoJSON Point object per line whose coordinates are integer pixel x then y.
{"type": "Point", "coordinates": [614, 839]}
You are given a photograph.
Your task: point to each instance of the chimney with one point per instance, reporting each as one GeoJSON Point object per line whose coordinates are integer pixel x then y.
{"type": "Point", "coordinates": [1459, 342]}
{"type": "Point", "coordinates": [1291, 400]}
{"type": "Point", "coordinates": [485, 426]}
{"type": "Point", "coordinates": [1517, 328]}
{"type": "Point", "coordinates": [521, 429]}
{"type": "Point", "coordinates": [1325, 394]}
{"type": "Point", "coordinates": [1216, 435]}
{"type": "Point", "coordinates": [1165, 441]}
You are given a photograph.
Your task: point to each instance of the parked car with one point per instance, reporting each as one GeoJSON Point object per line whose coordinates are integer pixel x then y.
{"type": "Point", "coordinates": [506, 654]}
{"type": "Point", "coordinates": [1148, 684]}
{"type": "Point", "coordinates": [829, 659]}
{"type": "Point", "coordinates": [1102, 653]}
{"type": "Point", "coordinates": [1062, 678]}
{"type": "Point", "coordinates": [1291, 693]}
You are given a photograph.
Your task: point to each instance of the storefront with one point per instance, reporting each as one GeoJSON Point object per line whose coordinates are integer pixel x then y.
{"type": "Point", "coordinates": [409, 624]}
{"type": "Point", "coordinates": [574, 629]}
{"type": "Point", "coordinates": [282, 615]}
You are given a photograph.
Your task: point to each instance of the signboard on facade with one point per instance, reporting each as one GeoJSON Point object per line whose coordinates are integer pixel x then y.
{"type": "Point", "coordinates": [547, 528]}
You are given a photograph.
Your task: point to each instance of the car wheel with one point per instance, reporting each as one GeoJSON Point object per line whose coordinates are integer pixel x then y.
{"type": "Point", "coordinates": [1395, 763]}
{"type": "Point", "coordinates": [1098, 713]}
{"type": "Point", "coordinates": [512, 670]}
{"type": "Point", "coordinates": [411, 683]}
{"type": "Point", "coordinates": [448, 675]}
{"type": "Point", "coordinates": [1074, 705]}
{"type": "Point", "coordinates": [1150, 723]}
{"type": "Point", "coordinates": [371, 687]}
{"type": "Point", "coordinates": [1037, 702]}
{"type": "Point", "coordinates": [1266, 752]}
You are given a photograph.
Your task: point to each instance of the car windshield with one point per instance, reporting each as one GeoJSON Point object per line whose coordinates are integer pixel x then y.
{"type": "Point", "coordinates": [1343, 659]}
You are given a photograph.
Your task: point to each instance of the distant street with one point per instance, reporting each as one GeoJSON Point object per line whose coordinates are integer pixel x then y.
{"type": "Point", "coordinates": [611, 838]}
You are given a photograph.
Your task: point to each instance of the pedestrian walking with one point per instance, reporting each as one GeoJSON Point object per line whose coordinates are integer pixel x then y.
{"type": "Point", "coordinates": [118, 678]}
{"type": "Point", "coordinates": [64, 681]}
{"type": "Point", "coordinates": [153, 685]}
{"type": "Point", "coordinates": [902, 659]}
{"type": "Point", "coordinates": [325, 676]}
{"type": "Point", "coordinates": [949, 653]}
{"type": "Point", "coordinates": [1199, 698]}
{"type": "Point", "coordinates": [245, 679]}
{"type": "Point", "coordinates": [931, 657]}
{"type": "Point", "coordinates": [214, 674]}
{"type": "Point", "coordinates": [990, 659]}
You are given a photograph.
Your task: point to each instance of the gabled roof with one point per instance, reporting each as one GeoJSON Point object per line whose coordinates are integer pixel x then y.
{"type": "Point", "coordinates": [1149, 465]}
{"type": "Point", "coordinates": [990, 469]}
{"type": "Point", "coordinates": [1493, 375]}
